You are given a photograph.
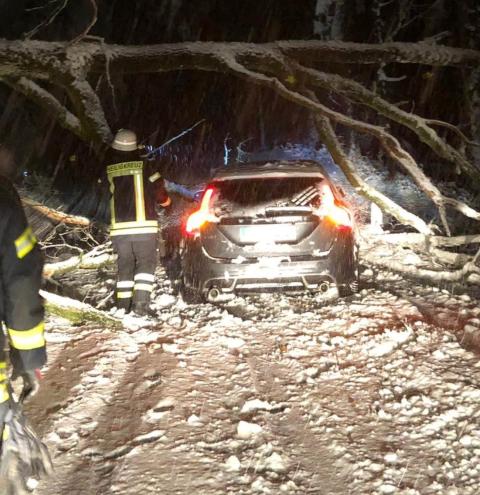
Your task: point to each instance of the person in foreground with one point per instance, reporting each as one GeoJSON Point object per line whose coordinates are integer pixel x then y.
{"type": "Point", "coordinates": [22, 321]}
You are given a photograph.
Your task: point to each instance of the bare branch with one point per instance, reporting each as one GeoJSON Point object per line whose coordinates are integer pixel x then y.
{"type": "Point", "coordinates": [92, 22]}
{"type": "Point", "coordinates": [391, 144]}
{"type": "Point", "coordinates": [89, 110]}
{"type": "Point", "coordinates": [48, 102]}
{"type": "Point", "coordinates": [328, 136]}
{"type": "Point", "coordinates": [417, 124]}
{"type": "Point", "coordinates": [95, 258]}
{"type": "Point", "coordinates": [388, 252]}
{"type": "Point", "coordinates": [424, 241]}
{"type": "Point", "coordinates": [47, 21]}
{"type": "Point", "coordinates": [453, 128]}
{"type": "Point", "coordinates": [55, 215]}
{"type": "Point", "coordinates": [411, 271]}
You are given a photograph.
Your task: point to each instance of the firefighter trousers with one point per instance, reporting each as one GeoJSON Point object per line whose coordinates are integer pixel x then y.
{"type": "Point", "coordinates": [137, 256]}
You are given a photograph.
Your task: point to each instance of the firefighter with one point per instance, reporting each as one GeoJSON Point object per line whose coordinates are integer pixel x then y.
{"type": "Point", "coordinates": [135, 190]}
{"type": "Point", "coordinates": [21, 308]}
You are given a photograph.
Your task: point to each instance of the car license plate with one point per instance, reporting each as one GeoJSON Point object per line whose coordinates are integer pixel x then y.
{"type": "Point", "coordinates": [267, 233]}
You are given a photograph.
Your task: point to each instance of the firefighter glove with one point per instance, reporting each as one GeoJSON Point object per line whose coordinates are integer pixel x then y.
{"type": "Point", "coordinates": [31, 383]}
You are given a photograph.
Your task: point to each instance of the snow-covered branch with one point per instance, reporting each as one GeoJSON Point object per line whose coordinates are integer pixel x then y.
{"type": "Point", "coordinates": [48, 102]}
{"type": "Point", "coordinates": [416, 123]}
{"type": "Point", "coordinates": [95, 258]}
{"type": "Point", "coordinates": [55, 215]}
{"type": "Point", "coordinates": [89, 110]}
{"type": "Point", "coordinates": [330, 139]}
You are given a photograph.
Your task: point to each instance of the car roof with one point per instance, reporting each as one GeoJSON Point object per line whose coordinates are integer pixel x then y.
{"type": "Point", "coordinates": [270, 169]}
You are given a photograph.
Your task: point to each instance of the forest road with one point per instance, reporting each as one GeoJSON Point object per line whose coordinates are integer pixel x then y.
{"type": "Point", "coordinates": [373, 394]}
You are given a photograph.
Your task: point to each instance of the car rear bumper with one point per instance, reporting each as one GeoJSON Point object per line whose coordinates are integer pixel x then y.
{"type": "Point", "coordinates": [270, 273]}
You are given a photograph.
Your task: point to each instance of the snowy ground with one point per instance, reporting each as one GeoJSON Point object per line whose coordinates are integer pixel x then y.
{"type": "Point", "coordinates": [373, 394]}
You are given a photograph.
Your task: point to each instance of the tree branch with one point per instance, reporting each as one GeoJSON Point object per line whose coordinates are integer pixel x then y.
{"type": "Point", "coordinates": [453, 128]}
{"type": "Point", "coordinates": [55, 215]}
{"type": "Point", "coordinates": [89, 110]}
{"type": "Point", "coordinates": [417, 124]}
{"type": "Point", "coordinates": [328, 136]}
{"type": "Point", "coordinates": [48, 102]}
{"type": "Point", "coordinates": [391, 144]}
{"type": "Point", "coordinates": [47, 22]}
{"type": "Point", "coordinates": [423, 241]}
{"type": "Point", "coordinates": [95, 258]}
{"type": "Point", "coordinates": [33, 58]}
{"type": "Point", "coordinates": [414, 272]}
{"type": "Point", "coordinates": [92, 22]}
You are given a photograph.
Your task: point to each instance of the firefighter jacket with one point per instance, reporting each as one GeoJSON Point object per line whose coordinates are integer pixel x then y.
{"type": "Point", "coordinates": [21, 308]}
{"type": "Point", "coordinates": [135, 189]}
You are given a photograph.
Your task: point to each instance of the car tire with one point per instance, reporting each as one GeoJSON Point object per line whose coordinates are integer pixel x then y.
{"type": "Point", "coordinates": [345, 290]}
{"type": "Point", "coordinates": [189, 294]}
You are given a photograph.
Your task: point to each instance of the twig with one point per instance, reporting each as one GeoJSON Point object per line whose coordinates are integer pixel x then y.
{"type": "Point", "coordinates": [453, 128]}
{"type": "Point", "coordinates": [46, 22]}
{"type": "Point", "coordinates": [65, 245]}
{"type": "Point", "coordinates": [155, 151]}
{"type": "Point", "coordinates": [92, 22]}
{"type": "Point", "coordinates": [40, 7]}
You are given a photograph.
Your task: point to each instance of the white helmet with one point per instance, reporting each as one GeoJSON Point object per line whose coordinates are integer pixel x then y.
{"type": "Point", "coordinates": [125, 140]}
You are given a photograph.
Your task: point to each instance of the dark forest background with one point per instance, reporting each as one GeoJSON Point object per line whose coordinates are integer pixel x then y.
{"type": "Point", "coordinates": [161, 105]}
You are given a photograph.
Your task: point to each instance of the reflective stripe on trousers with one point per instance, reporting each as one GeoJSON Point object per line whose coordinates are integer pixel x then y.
{"type": "Point", "coordinates": [4, 395]}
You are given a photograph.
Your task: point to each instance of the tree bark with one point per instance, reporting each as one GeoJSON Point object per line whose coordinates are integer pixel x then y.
{"type": "Point", "coordinates": [55, 215]}
{"type": "Point", "coordinates": [77, 312]}
{"type": "Point", "coordinates": [93, 259]}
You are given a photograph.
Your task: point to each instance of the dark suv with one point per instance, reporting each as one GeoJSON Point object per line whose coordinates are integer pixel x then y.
{"type": "Point", "coordinates": [270, 225]}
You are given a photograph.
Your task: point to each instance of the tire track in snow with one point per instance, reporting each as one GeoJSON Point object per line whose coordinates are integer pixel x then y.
{"type": "Point", "coordinates": [64, 373]}
{"type": "Point", "coordinates": [305, 449]}
{"type": "Point", "coordinates": [99, 413]}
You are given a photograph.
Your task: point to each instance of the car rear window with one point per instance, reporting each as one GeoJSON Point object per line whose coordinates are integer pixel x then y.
{"type": "Point", "coordinates": [254, 191]}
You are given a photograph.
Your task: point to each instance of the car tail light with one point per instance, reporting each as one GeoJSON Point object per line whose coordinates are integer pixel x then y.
{"type": "Point", "coordinates": [203, 215]}
{"type": "Point", "coordinates": [338, 215]}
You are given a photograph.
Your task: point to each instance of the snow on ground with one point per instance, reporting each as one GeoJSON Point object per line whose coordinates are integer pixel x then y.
{"type": "Point", "coordinates": [269, 394]}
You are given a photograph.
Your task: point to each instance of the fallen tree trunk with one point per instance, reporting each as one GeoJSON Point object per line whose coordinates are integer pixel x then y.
{"type": "Point", "coordinates": [420, 240]}
{"type": "Point", "coordinates": [55, 215]}
{"type": "Point", "coordinates": [423, 261]}
{"type": "Point", "coordinates": [97, 257]}
{"type": "Point", "coordinates": [77, 312]}
{"type": "Point", "coordinates": [286, 67]}
{"type": "Point", "coordinates": [469, 273]}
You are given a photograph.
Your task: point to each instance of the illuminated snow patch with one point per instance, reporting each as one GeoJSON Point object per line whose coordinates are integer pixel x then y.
{"type": "Point", "coordinates": [275, 463]}
{"type": "Point", "coordinates": [247, 430]}
{"type": "Point", "coordinates": [233, 464]}
{"type": "Point", "coordinates": [232, 342]}
{"type": "Point", "coordinates": [255, 405]}
{"type": "Point", "coordinates": [395, 340]}
{"type": "Point", "coordinates": [194, 420]}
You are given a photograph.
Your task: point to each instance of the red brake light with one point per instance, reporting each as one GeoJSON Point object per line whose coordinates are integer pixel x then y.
{"type": "Point", "coordinates": [338, 215]}
{"type": "Point", "coordinates": [202, 215]}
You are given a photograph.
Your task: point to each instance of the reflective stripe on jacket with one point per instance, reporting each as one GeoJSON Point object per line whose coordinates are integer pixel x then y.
{"type": "Point", "coordinates": [134, 189]}
{"type": "Point", "coordinates": [21, 308]}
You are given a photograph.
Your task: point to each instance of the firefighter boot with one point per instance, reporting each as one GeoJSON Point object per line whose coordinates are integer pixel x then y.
{"type": "Point", "coordinates": [143, 309]}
